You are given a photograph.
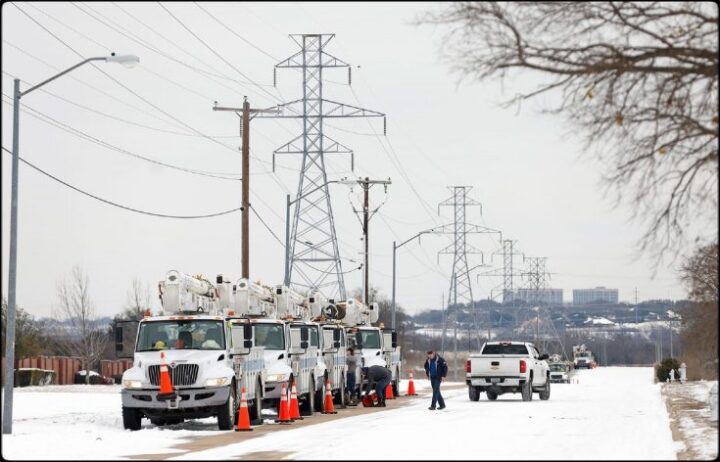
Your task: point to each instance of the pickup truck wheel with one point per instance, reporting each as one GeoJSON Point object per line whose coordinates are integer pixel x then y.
{"type": "Point", "coordinates": [256, 417]}
{"type": "Point", "coordinates": [491, 395]}
{"type": "Point", "coordinates": [527, 391]}
{"type": "Point", "coordinates": [226, 412]}
{"type": "Point", "coordinates": [545, 392]}
{"type": "Point", "coordinates": [131, 418]}
{"type": "Point", "coordinates": [474, 393]}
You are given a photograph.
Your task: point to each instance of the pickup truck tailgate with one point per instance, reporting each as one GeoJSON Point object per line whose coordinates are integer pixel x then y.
{"type": "Point", "coordinates": [495, 365]}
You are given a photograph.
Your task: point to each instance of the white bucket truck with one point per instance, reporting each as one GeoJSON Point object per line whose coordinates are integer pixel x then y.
{"type": "Point", "coordinates": [281, 326]}
{"type": "Point", "coordinates": [209, 356]}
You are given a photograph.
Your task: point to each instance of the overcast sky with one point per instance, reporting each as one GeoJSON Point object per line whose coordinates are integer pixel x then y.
{"type": "Point", "coordinates": [527, 169]}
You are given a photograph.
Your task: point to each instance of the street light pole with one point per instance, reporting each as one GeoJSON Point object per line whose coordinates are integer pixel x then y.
{"type": "Point", "coordinates": [125, 60]}
{"type": "Point", "coordinates": [395, 247]}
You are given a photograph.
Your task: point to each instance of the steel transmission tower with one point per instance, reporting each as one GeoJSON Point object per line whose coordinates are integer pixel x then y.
{"type": "Point", "coordinates": [460, 284]}
{"type": "Point", "coordinates": [314, 256]}
{"type": "Point", "coordinates": [508, 274]}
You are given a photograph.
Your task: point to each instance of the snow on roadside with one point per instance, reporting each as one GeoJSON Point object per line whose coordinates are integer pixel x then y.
{"type": "Point", "coordinates": [84, 422]}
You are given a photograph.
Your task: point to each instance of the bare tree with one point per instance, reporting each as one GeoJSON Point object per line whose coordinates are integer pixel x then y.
{"type": "Point", "coordinates": [84, 336]}
{"type": "Point", "coordinates": [700, 320]}
{"type": "Point", "coordinates": [640, 79]}
{"type": "Point", "coordinates": [138, 299]}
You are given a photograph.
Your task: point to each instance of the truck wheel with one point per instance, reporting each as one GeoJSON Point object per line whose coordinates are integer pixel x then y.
{"type": "Point", "coordinates": [340, 398]}
{"type": "Point", "coordinates": [256, 417]}
{"type": "Point", "coordinates": [158, 422]}
{"type": "Point", "coordinates": [309, 405]}
{"type": "Point", "coordinates": [545, 392]}
{"type": "Point", "coordinates": [491, 395]}
{"type": "Point", "coordinates": [473, 393]}
{"type": "Point", "coordinates": [527, 391]}
{"type": "Point", "coordinates": [174, 421]}
{"type": "Point", "coordinates": [226, 412]}
{"type": "Point", "coordinates": [131, 418]}
{"type": "Point", "coordinates": [396, 384]}
{"type": "Point", "coordinates": [320, 397]}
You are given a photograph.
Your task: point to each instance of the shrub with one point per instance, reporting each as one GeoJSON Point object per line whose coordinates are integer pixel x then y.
{"type": "Point", "coordinates": [663, 369]}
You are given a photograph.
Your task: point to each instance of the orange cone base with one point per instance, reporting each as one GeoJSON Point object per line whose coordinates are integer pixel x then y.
{"type": "Point", "coordinates": [243, 429]}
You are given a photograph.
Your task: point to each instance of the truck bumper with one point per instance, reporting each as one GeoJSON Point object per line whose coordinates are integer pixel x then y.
{"type": "Point", "coordinates": [495, 381]}
{"type": "Point", "coordinates": [189, 399]}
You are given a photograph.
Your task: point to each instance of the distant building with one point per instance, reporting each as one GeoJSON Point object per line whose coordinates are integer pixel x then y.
{"type": "Point", "coordinates": [596, 295]}
{"type": "Point", "coordinates": [546, 296]}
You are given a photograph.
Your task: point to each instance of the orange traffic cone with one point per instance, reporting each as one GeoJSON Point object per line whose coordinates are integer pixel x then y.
{"type": "Point", "coordinates": [283, 409]}
{"type": "Point", "coordinates": [389, 391]}
{"type": "Point", "coordinates": [411, 386]}
{"type": "Point", "coordinates": [329, 407]}
{"type": "Point", "coordinates": [243, 424]}
{"type": "Point", "coordinates": [294, 406]}
{"type": "Point", "coordinates": [166, 388]}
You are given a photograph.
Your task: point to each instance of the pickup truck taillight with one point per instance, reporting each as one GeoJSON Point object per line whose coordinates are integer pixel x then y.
{"type": "Point", "coordinates": [467, 366]}
{"type": "Point", "coordinates": [523, 366]}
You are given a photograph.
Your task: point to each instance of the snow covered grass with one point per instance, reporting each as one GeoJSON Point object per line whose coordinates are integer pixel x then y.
{"type": "Point", "coordinates": [690, 407]}
{"type": "Point", "coordinates": [84, 422]}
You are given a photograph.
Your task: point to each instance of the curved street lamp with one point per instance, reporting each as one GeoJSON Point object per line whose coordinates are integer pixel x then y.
{"type": "Point", "coordinates": [125, 60]}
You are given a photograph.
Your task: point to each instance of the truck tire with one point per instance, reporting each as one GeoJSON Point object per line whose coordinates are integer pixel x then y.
{"type": "Point", "coordinates": [396, 384]}
{"type": "Point", "coordinates": [227, 411]}
{"type": "Point", "coordinates": [158, 422]}
{"type": "Point", "coordinates": [256, 417]}
{"type": "Point", "coordinates": [174, 421]}
{"type": "Point", "coordinates": [340, 398]}
{"type": "Point", "coordinates": [491, 395]}
{"type": "Point", "coordinates": [320, 396]}
{"type": "Point", "coordinates": [545, 392]}
{"type": "Point", "coordinates": [526, 391]}
{"type": "Point", "coordinates": [131, 418]}
{"type": "Point", "coordinates": [473, 393]}
{"type": "Point", "coordinates": [309, 405]}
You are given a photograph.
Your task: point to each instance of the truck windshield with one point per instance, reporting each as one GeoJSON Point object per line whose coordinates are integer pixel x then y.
{"type": "Point", "coordinates": [270, 336]}
{"type": "Point", "coordinates": [364, 339]}
{"type": "Point", "coordinates": [181, 335]}
{"type": "Point", "coordinates": [500, 349]}
{"type": "Point", "coordinates": [558, 367]}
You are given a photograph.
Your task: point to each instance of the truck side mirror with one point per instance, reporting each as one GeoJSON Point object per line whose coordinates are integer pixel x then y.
{"type": "Point", "coordinates": [543, 356]}
{"type": "Point", "coordinates": [304, 337]}
{"type": "Point", "coordinates": [336, 338]}
{"type": "Point", "coordinates": [248, 335]}
{"type": "Point", "coordinates": [394, 339]}
{"type": "Point", "coordinates": [124, 333]}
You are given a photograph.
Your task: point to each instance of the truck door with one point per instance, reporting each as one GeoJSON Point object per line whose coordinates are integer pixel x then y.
{"type": "Point", "coordinates": [538, 371]}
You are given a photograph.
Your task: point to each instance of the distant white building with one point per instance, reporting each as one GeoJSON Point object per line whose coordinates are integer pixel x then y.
{"type": "Point", "coordinates": [596, 295]}
{"type": "Point", "coordinates": [548, 296]}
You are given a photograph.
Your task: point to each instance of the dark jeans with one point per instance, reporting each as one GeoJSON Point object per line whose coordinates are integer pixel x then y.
{"type": "Point", "coordinates": [380, 389]}
{"type": "Point", "coordinates": [351, 384]}
{"type": "Point", "coordinates": [436, 397]}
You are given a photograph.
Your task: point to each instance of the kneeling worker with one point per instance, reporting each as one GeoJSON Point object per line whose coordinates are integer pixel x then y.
{"type": "Point", "coordinates": [379, 376]}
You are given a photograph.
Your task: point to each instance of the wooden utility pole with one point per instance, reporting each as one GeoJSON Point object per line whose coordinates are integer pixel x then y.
{"type": "Point", "coordinates": [245, 114]}
{"type": "Point", "coordinates": [366, 184]}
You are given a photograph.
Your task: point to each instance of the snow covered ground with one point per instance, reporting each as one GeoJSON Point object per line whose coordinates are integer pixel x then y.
{"type": "Point", "coordinates": [689, 407]}
{"type": "Point", "coordinates": [613, 413]}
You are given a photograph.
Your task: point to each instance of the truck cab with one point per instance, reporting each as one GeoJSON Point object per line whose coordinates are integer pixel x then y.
{"type": "Point", "coordinates": [376, 346]}
{"type": "Point", "coordinates": [205, 366]}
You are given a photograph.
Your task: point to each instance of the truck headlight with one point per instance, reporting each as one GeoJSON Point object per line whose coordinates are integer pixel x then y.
{"type": "Point", "coordinates": [131, 384]}
{"type": "Point", "coordinates": [220, 381]}
{"type": "Point", "coordinates": [276, 378]}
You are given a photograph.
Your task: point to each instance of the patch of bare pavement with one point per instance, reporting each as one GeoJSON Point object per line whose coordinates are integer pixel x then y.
{"type": "Point", "coordinates": [690, 421]}
{"type": "Point", "coordinates": [201, 443]}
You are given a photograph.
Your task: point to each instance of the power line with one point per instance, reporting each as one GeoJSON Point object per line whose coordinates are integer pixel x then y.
{"type": "Point", "coordinates": [81, 134]}
{"type": "Point", "coordinates": [115, 204]}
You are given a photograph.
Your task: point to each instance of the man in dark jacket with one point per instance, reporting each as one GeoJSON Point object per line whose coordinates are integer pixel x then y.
{"type": "Point", "coordinates": [436, 370]}
{"type": "Point", "coordinates": [380, 377]}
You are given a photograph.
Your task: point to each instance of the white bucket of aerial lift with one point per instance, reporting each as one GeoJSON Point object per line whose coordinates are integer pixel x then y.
{"type": "Point", "coordinates": [290, 303]}
{"type": "Point", "coordinates": [357, 313]}
{"type": "Point", "coordinates": [182, 293]}
{"type": "Point", "coordinates": [319, 305]}
{"type": "Point", "coordinates": [253, 299]}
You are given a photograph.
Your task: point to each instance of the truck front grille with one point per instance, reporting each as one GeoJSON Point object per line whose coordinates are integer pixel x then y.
{"type": "Point", "coordinates": [180, 375]}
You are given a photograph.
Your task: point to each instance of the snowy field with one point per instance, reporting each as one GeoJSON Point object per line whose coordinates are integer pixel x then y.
{"type": "Point", "coordinates": [613, 413]}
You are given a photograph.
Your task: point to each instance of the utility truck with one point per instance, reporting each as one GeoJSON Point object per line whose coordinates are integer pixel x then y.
{"type": "Point", "coordinates": [507, 367]}
{"type": "Point", "coordinates": [282, 328]}
{"type": "Point", "coordinates": [210, 356]}
{"type": "Point", "coordinates": [583, 357]}
{"type": "Point", "coordinates": [373, 345]}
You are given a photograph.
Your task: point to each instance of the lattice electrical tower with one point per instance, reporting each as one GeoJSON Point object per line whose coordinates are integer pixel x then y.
{"type": "Point", "coordinates": [314, 256]}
